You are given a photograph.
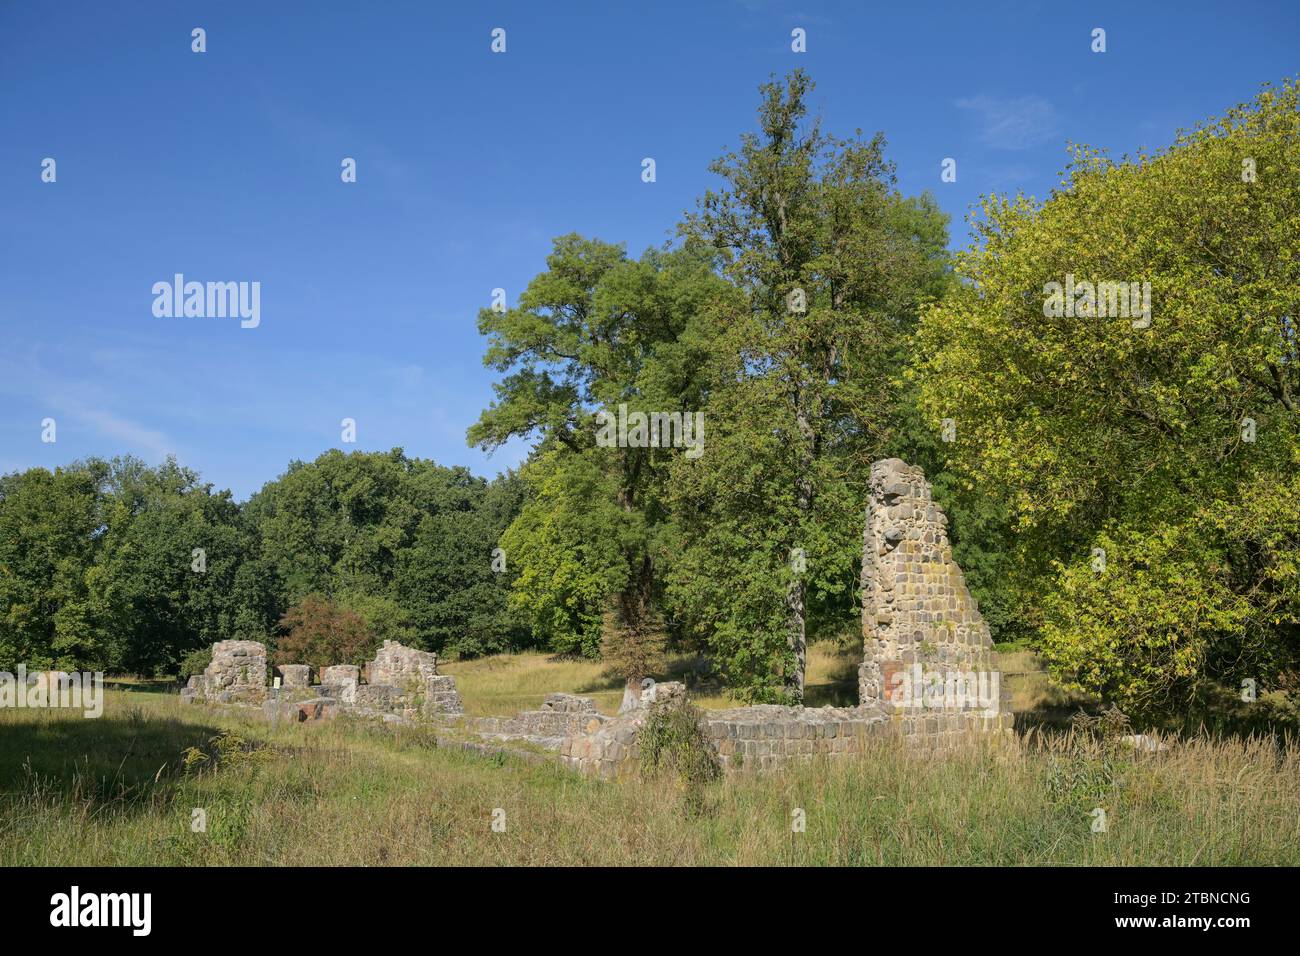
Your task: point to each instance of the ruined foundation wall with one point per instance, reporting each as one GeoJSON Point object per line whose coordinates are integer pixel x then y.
{"type": "Point", "coordinates": [409, 686]}
{"type": "Point", "coordinates": [399, 665]}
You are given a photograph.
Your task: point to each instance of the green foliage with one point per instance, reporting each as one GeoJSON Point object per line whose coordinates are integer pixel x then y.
{"type": "Point", "coordinates": [116, 566]}
{"type": "Point", "coordinates": [405, 543]}
{"type": "Point", "coordinates": [1090, 433]}
{"type": "Point", "coordinates": [795, 405]}
{"type": "Point", "coordinates": [673, 740]}
{"type": "Point", "coordinates": [632, 645]}
{"type": "Point", "coordinates": [798, 403]}
{"type": "Point", "coordinates": [595, 331]}
{"type": "Point", "coordinates": [195, 662]}
{"type": "Point", "coordinates": [48, 529]}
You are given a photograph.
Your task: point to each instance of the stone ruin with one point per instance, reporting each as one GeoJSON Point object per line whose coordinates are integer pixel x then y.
{"type": "Point", "coordinates": [925, 674]}
{"type": "Point", "coordinates": [922, 631]}
{"type": "Point", "coordinates": [404, 685]}
{"type": "Point", "coordinates": [926, 670]}
{"type": "Point", "coordinates": [237, 674]}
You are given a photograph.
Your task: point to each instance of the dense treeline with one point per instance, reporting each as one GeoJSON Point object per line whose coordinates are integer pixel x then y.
{"type": "Point", "coordinates": [1121, 487]}
{"type": "Point", "coordinates": [120, 567]}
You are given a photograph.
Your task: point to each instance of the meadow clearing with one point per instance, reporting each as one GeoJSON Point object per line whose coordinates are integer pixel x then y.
{"type": "Point", "coordinates": [126, 789]}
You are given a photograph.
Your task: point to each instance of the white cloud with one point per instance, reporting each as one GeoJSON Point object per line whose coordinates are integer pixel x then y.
{"type": "Point", "coordinates": [1017, 123]}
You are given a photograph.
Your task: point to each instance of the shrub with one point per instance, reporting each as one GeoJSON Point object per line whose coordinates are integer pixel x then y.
{"type": "Point", "coordinates": [320, 633]}
{"type": "Point", "coordinates": [673, 739]}
{"type": "Point", "coordinates": [195, 662]}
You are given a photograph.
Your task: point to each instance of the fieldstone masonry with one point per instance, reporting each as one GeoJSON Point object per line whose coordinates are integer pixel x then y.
{"type": "Point", "coordinates": [294, 675]}
{"type": "Point", "coordinates": [343, 679]}
{"type": "Point", "coordinates": [401, 666]}
{"type": "Point", "coordinates": [561, 716]}
{"type": "Point", "coordinates": [409, 686]}
{"type": "Point", "coordinates": [923, 642]}
{"type": "Point", "coordinates": [237, 673]}
{"type": "Point", "coordinates": [915, 605]}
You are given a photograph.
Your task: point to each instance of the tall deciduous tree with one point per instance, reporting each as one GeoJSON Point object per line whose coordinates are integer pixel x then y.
{"type": "Point", "coordinates": [832, 264]}
{"type": "Point", "coordinates": [595, 332]}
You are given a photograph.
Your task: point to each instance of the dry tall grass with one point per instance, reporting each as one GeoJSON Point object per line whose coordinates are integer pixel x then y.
{"type": "Point", "coordinates": [115, 791]}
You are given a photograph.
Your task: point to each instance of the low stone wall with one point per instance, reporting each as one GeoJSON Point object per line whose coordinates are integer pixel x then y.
{"type": "Point", "coordinates": [612, 749]}
{"type": "Point", "coordinates": [770, 737]}
{"type": "Point", "coordinates": [343, 680]}
{"type": "Point", "coordinates": [401, 666]}
{"type": "Point", "coordinates": [294, 675]}
{"type": "Point", "coordinates": [561, 716]}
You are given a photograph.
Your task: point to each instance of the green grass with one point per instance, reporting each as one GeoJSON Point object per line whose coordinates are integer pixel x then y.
{"type": "Point", "coordinates": [508, 683]}
{"type": "Point", "coordinates": [114, 791]}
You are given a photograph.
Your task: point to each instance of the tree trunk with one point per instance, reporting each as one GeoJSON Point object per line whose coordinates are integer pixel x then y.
{"type": "Point", "coordinates": [631, 695]}
{"type": "Point", "coordinates": [796, 596]}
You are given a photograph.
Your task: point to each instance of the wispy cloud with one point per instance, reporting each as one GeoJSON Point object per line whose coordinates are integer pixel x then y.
{"type": "Point", "coordinates": [80, 400]}
{"type": "Point", "coordinates": [1017, 123]}
{"type": "Point", "coordinates": [111, 425]}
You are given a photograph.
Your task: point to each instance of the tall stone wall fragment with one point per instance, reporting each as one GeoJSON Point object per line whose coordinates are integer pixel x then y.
{"type": "Point", "coordinates": [920, 624]}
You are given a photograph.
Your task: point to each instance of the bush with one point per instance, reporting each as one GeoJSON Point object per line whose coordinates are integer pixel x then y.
{"type": "Point", "coordinates": [195, 662]}
{"type": "Point", "coordinates": [673, 739]}
{"type": "Point", "coordinates": [320, 633]}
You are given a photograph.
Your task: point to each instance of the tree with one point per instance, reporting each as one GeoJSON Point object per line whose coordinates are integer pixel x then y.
{"type": "Point", "coordinates": [404, 542]}
{"type": "Point", "coordinates": [595, 333]}
{"type": "Point", "coordinates": [49, 524]}
{"type": "Point", "coordinates": [1146, 458]}
{"type": "Point", "coordinates": [169, 560]}
{"type": "Point", "coordinates": [319, 633]}
{"type": "Point", "coordinates": [832, 264]}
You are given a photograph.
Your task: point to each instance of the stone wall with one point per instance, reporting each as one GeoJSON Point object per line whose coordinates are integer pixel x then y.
{"type": "Point", "coordinates": [561, 716]}
{"type": "Point", "coordinates": [237, 673]}
{"type": "Point", "coordinates": [343, 680]}
{"type": "Point", "coordinates": [402, 666]}
{"type": "Point", "coordinates": [611, 748]}
{"type": "Point", "coordinates": [916, 609]}
{"type": "Point", "coordinates": [294, 675]}
{"type": "Point", "coordinates": [411, 687]}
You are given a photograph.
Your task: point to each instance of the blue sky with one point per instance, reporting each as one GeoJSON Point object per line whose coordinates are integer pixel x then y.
{"type": "Point", "coordinates": [225, 166]}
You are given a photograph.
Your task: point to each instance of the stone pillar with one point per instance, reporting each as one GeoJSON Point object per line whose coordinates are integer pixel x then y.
{"type": "Point", "coordinates": [400, 666]}
{"type": "Point", "coordinates": [294, 675]}
{"type": "Point", "coordinates": [237, 672]}
{"type": "Point", "coordinates": [916, 609]}
{"type": "Point", "coordinates": [344, 678]}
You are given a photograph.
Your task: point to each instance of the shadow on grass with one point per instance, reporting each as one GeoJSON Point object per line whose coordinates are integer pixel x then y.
{"type": "Point", "coordinates": [151, 686]}
{"type": "Point", "coordinates": [110, 758]}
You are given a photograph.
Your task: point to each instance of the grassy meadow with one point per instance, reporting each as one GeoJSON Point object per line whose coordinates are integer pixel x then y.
{"type": "Point", "coordinates": [123, 790]}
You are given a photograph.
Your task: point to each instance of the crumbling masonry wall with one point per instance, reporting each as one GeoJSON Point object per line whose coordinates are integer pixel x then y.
{"type": "Point", "coordinates": [411, 688]}
{"type": "Point", "coordinates": [237, 673]}
{"type": "Point", "coordinates": [916, 608]}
